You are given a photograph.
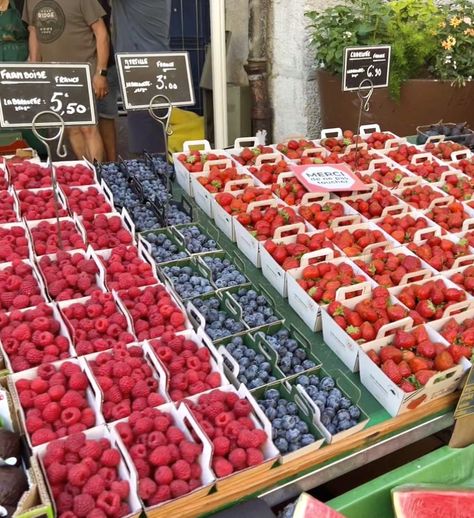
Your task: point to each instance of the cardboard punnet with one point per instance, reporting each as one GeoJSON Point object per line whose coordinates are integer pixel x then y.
{"type": "Point", "coordinates": [422, 158]}
{"type": "Point", "coordinates": [305, 413]}
{"type": "Point", "coordinates": [303, 304]}
{"type": "Point", "coordinates": [390, 395]}
{"type": "Point", "coordinates": [63, 331]}
{"type": "Point", "coordinates": [168, 233]}
{"type": "Point", "coordinates": [14, 207]}
{"type": "Point", "coordinates": [36, 274]}
{"type": "Point", "coordinates": [270, 452]}
{"type": "Point", "coordinates": [73, 163]}
{"type": "Point", "coordinates": [101, 190]}
{"type": "Point", "coordinates": [123, 469]}
{"type": "Point", "coordinates": [235, 260]}
{"type": "Point", "coordinates": [63, 210]}
{"type": "Point", "coordinates": [27, 236]}
{"type": "Point", "coordinates": [350, 216]}
{"type": "Point", "coordinates": [184, 420]}
{"type": "Point", "coordinates": [178, 232]}
{"type": "Point", "coordinates": [349, 390]}
{"type": "Point", "coordinates": [31, 226]}
{"type": "Point", "coordinates": [337, 339]}
{"type": "Point", "coordinates": [92, 399]}
{"type": "Point", "coordinates": [419, 182]}
{"type": "Point", "coordinates": [157, 372]}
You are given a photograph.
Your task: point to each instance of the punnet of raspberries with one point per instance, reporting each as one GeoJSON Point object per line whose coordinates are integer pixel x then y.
{"type": "Point", "coordinates": [105, 231]}
{"type": "Point", "coordinates": [84, 478]}
{"type": "Point", "coordinates": [18, 287]}
{"type": "Point", "coordinates": [32, 337]}
{"type": "Point", "coordinates": [86, 202]}
{"type": "Point", "coordinates": [125, 269]}
{"type": "Point", "coordinates": [167, 462]}
{"type": "Point", "coordinates": [46, 239]}
{"type": "Point", "coordinates": [13, 243]}
{"type": "Point", "coordinates": [39, 205]}
{"type": "Point", "coordinates": [225, 418]}
{"type": "Point", "coordinates": [77, 175]}
{"type": "Point", "coordinates": [153, 311]}
{"type": "Point", "coordinates": [69, 275]}
{"type": "Point", "coordinates": [54, 402]}
{"type": "Point", "coordinates": [7, 210]}
{"type": "Point", "coordinates": [188, 365]}
{"type": "Point", "coordinates": [97, 324]}
{"type": "Point", "coordinates": [28, 175]}
{"type": "Point", "coordinates": [126, 380]}
{"type": "Point", "coordinates": [3, 181]}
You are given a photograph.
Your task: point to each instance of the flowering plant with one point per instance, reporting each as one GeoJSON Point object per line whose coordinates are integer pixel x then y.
{"type": "Point", "coordinates": [455, 54]}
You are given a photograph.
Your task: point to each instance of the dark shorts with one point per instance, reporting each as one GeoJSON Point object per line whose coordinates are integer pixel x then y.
{"type": "Point", "coordinates": [107, 108]}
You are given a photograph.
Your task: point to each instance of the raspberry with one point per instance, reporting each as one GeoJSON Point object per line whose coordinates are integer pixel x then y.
{"type": "Point", "coordinates": [247, 439]}
{"type": "Point", "coordinates": [179, 488]}
{"type": "Point", "coordinates": [146, 488]}
{"type": "Point", "coordinates": [33, 423]}
{"type": "Point", "coordinates": [155, 399]}
{"type": "Point", "coordinates": [21, 301]}
{"type": "Point", "coordinates": [181, 470]}
{"type": "Point", "coordinates": [231, 398]}
{"type": "Point", "coordinates": [51, 412]}
{"type": "Point", "coordinates": [91, 449]}
{"type": "Point", "coordinates": [72, 399]}
{"type": "Point", "coordinates": [88, 417]}
{"type": "Point", "coordinates": [126, 384]}
{"type": "Point", "coordinates": [160, 456]}
{"type": "Point", "coordinates": [242, 408]}
{"type": "Point", "coordinates": [83, 505]}
{"type": "Point", "coordinates": [109, 503]}
{"type": "Point", "coordinates": [222, 467]}
{"type": "Point", "coordinates": [64, 502]}
{"type": "Point", "coordinates": [162, 494]}
{"type": "Point", "coordinates": [57, 473]}
{"type": "Point", "coordinates": [140, 389]}
{"type": "Point", "coordinates": [223, 419]}
{"type": "Point", "coordinates": [254, 457]}
{"type": "Point", "coordinates": [214, 379]}
{"type": "Point", "coordinates": [78, 381]}
{"type": "Point", "coordinates": [75, 442]}
{"type": "Point", "coordinates": [121, 487]}
{"type": "Point", "coordinates": [163, 476]}
{"type": "Point", "coordinates": [142, 467]}
{"type": "Point", "coordinates": [143, 425]}
{"type": "Point", "coordinates": [196, 471]}
{"type": "Point", "coordinates": [221, 446]}
{"type": "Point", "coordinates": [70, 416]}
{"type": "Point", "coordinates": [110, 458]}
{"type": "Point", "coordinates": [238, 458]}
{"type": "Point", "coordinates": [174, 435]}
{"type": "Point", "coordinates": [98, 513]}
{"type": "Point", "coordinates": [42, 436]}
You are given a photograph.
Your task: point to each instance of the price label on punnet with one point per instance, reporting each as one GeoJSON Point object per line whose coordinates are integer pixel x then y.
{"type": "Point", "coordinates": [328, 178]}
{"type": "Point", "coordinates": [143, 76]}
{"type": "Point", "coordinates": [27, 89]}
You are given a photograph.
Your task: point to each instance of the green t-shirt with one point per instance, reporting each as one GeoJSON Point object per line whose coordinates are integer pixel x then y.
{"type": "Point", "coordinates": [63, 28]}
{"type": "Point", "coordinates": [13, 36]}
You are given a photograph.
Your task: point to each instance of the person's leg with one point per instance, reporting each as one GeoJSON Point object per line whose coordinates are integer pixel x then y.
{"type": "Point", "coordinates": [109, 136]}
{"type": "Point", "coordinates": [77, 141]}
{"type": "Point", "coordinates": [93, 143]}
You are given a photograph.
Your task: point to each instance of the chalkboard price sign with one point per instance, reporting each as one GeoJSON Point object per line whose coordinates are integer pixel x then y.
{"type": "Point", "coordinates": [27, 89]}
{"type": "Point", "coordinates": [366, 63]}
{"type": "Point", "coordinates": [144, 76]}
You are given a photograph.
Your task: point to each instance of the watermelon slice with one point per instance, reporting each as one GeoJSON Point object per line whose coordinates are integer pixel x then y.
{"type": "Point", "coordinates": [425, 501]}
{"type": "Point", "coordinates": [309, 507]}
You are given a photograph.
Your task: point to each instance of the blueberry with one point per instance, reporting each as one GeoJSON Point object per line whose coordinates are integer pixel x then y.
{"type": "Point", "coordinates": [307, 439]}
{"type": "Point", "coordinates": [291, 408]}
{"type": "Point", "coordinates": [302, 380]}
{"type": "Point", "coordinates": [282, 445]}
{"type": "Point", "coordinates": [312, 391]}
{"type": "Point", "coordinates": [281, 411]}
{"type": "Point", "coordinates": [272, 394]}
{"type": "Point", "coordinates": [293, 435]}
{"type": "Point", "coordinates": [343, 415]}
{"type": "Point", "coordinates": [354, 412]}
{"type": "Point", "coordinates": [345, 403]}
{"type": "Point", "coordinates": [344, 424]}
{"type": "Point", "coordinates": [288, 422]}
{"type": "Point", "coordinates": [333, 402]}
{"type": "Point", "coordinates": [271, 413]}
{"type": "Point", "coordinates": [276, 423]}
{"type": "Point", "coordinates": [327, 383]}
{"type": "Point", "coordinates": [331, 428]}
{"type": "Point", "coordinates": [325, 418]}
{"type": "Point", "coordinates": [302, 426]}
{"type": "Point", "coordinates": [336, 393]}
{"type": "Point", "coordinates": [314, 380]}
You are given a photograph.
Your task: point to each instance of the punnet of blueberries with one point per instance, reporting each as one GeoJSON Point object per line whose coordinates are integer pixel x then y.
{"type": "Point", "coordinates": [254, 369]}
{"type": "Point", "coordinates": [289, 431]}
{"type": "Point", "coordinates": [152, 185]}
{"type": "Point", "coordinates": [219, 324]}
{"type": "Point", "coordinates": [175, 216]}
{"type": "Point", "coordinates": [162, 167]}
{"type": "Point", "coordinates": [224, 273]}
{"type": "Point", "coordinates": [196, 241]}
{"type": "Point", "coordinates": [292, 357]}
{"type": "Point", "coordinates": [188, 282]}
{"type": "Point", "coordinates": [256, 309]}
{"type": "Point", "coordinates": [338, 413]}
{"type": "Point", "coordinates": [163, 249]}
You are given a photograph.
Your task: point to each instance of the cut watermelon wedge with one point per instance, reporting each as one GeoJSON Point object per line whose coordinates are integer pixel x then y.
{"type": "Point", "coordinates": [308, 507]}
{"type": "Point", "coordinates": [425, 501]}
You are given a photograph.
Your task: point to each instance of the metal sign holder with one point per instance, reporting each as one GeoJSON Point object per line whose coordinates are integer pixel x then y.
{"type": "Point", "coordinates": [60, 151]}
{"type": "Point", "coordinates": [364, 92]}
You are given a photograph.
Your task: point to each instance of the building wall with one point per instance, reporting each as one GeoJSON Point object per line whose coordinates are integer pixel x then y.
{"type": "Point", "coordinates": [237, 22]}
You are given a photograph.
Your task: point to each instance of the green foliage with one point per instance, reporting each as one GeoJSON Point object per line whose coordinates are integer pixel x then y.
{"type": "Point", "coordinates": [409, 26]}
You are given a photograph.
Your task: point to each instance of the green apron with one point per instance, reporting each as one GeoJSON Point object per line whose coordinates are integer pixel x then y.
{"type": "Point", "coordinates": [14, 47]}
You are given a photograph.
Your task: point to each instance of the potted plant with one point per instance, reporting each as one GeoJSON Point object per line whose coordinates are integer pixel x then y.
{"type": "Point", "coordinates": [432, 63]}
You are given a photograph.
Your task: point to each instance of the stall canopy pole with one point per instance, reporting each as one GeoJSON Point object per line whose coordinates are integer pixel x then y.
{"type": "Point", "coordinates": [219, 72]}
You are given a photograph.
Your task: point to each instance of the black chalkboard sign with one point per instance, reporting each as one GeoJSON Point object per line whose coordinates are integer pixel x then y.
{"type": "Point", "coordinates": [144, 76]}
{"type": "Point", "coordinates": [27, 89]}
{"type": "Point", "coordinates": [362, 63]}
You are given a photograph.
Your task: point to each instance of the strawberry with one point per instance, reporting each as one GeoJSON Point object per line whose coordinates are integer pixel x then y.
{"type": "Point", "coordinates": [406, 386]}
{"type": "Point", "coordinates": [389, 352]}
{"type": "Point", "coordinates": [391, 370]}
{"type": "Point", "coordinates": [426, 349]}
{"type": "Point", "coordinates": [417, 364]}
{"type": "Point", "coordinates": [424, 375]}
{"type": "Point", "coordinates": [404, 340]}
{"type": "Point", "coordinates": [444, 361]}
{"type": "Point", "coordinates": [354, 332]}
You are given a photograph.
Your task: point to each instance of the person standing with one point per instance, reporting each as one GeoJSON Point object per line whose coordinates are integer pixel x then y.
{"type": "Point", "coordinates": [72, 31]}
{"type": "Point", "coordinates": [142, 26]}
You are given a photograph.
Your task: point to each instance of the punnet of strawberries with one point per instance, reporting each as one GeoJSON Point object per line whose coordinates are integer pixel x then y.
{"type": "Point", "coordinates": [461, 188]}
{"type": "Point", "coordinates": [466, 165]}
{"type": "Point", "coordinates": [321, 215]}
{"type": "Point", "coordinates": [450, 218]}
{"type": "Point", "coordinates": [338, 145]}
{"type": "Point", "coordinates": [403, 154]}
{"type": "Point", "coordinates": [237, 203]}
{"type": "Point", "coordinates": [389, 268]}
{"type": "Point", "coordinates": [420, 196]}
{"type": "Point", "coordinates": [372, 206]}
{"type": "Point", "coordinates": [354, 242]}
{"type": "Point", "coordinates": [440, 253]}
{"type": "Point", "coordinates": [290, 190]}
{"type": "Point", "coordinates": [430, 170]}
{"type": "Point", "coordinates": [262, 222]}
{"type": "Point", "coordinates": [293, 149]}
{"type": "Point", "coordinates": [388, 176]}
{"type": "Point", "coordinates": [194, 161]}
{"type": "Point", "coordinates": [268, 173]}
{"type": "Point", "coordinates": [84, 477]}
{"type": "Point", "coordinates": [403, 228]}
{"type": "Point", "coordinates": [322, 280]}
{"type": "Point", "coordinates": [429, 300]}
{"type": "Point", "coordinates": [370, 314]}
{"type": "Point", "coordinates": [412, 358]}
{"type": "Point", "coordinates": [248, 155]}
{"type": "Point", "coordinates": [217, 178]}
{"type": "Point", "coordinates": [377, 139]}
{"type": "Point", "coordinates": [443, 150]}
{"type": "Point", "coordinates": [460, 336]}
{"type": "Point", "coordinates": [465, 279]}
{"type": "Point", "coordinates": [226, 420]}
{"type": "Point", "coordinates": [289, 255]}
{"type": "Point", "coordinates": [166, 460]}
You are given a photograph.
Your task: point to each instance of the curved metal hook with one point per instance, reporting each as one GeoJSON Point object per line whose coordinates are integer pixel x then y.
{"type": "Point", "coordinates": [61, 148]}
{"type": "Point", "coordinates": [365, 96]}
{"type": "Point", "coordinates": [164, 119]}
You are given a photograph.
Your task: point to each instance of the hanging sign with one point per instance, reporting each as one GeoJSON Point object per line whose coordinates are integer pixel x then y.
{"type": "Point", "coordinates": [27, 89]}
{"type": "Point", "coordinates": [144, 76]}
{"type": "Point", "coordinates": [328, 178]}
{"type": "Point", "coordinates": [366, 64]}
